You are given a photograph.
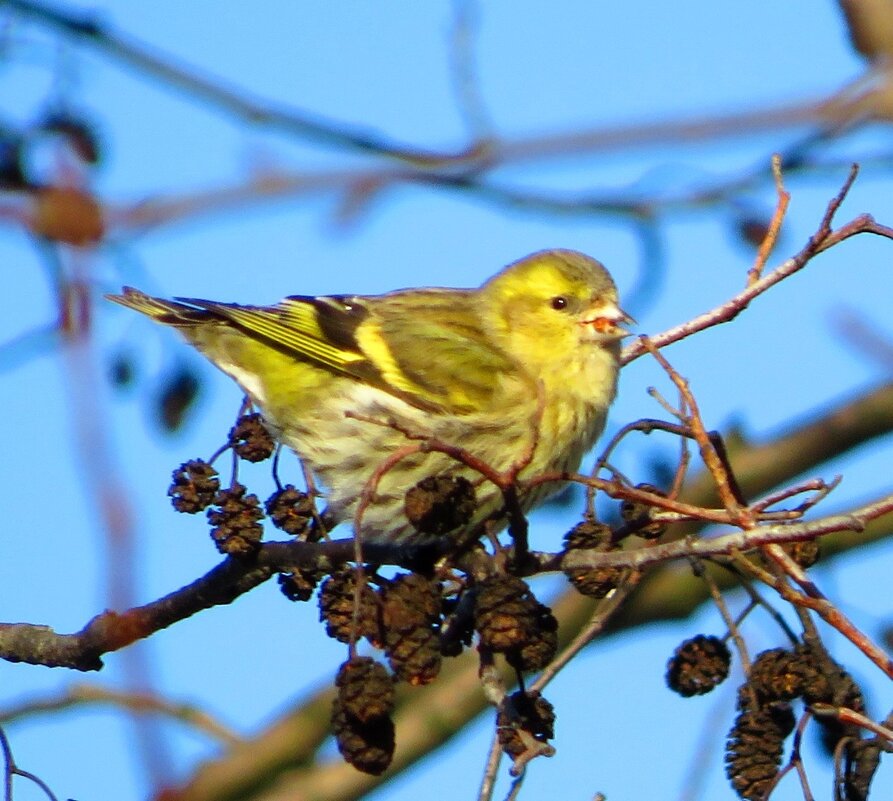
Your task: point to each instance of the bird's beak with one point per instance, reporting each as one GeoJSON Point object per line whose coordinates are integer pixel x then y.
{"type": "Point", "coordinates": [606, 320]}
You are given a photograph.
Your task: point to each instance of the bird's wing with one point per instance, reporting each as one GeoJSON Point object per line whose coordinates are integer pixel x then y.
{"type": "Point", "coordinates": [431, 352]}
{"type": "Point", "coordinates": [444, 353]}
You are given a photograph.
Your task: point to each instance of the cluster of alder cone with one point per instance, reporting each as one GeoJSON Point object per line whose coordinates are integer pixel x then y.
{"type": "Point", "coordinates": [418, 618]}
{"type": "Point", "coordinates": [765, 718]}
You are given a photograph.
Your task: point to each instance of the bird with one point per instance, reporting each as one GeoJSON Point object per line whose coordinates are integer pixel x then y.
{"type": "Point", "coordinates": [526, 365]}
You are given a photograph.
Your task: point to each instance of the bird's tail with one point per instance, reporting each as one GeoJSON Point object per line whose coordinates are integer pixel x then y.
{"type": "Point", "coordinates": [168, 312]}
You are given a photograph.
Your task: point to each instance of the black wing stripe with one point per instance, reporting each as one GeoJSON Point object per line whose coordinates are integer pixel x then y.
{"type": "Point", "coordinates": [338, 317]}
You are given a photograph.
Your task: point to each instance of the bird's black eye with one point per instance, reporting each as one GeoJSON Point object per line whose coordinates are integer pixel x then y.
{"type": "Point", "coordinates": [559, 302]}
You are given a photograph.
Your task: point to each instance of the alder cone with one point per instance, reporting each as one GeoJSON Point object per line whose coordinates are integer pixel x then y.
{"type": "Point", "coordinates": [754, 749]}
{"type": "Point", "coordinates": [542, 643]}
{"type": "Point", "coordinates": [410, 616]}
{"type": "Point", "coordinates": [524, 712]}
{"type": "Point", "coordinates": [234, 518]}
{"type": "Point", "coordinates": [194, 485]}
{"type": "Point", "coordinates": [438, 505]}
{"type": "Point", "coordinates": [250, 438]}
{"type": "Point", "coordinates": [367, 745]}
{"type": "Point", "coordinates": [365, 690]}
{"type": "Point", "coordinates": [414, 656]}
{"type": "Point", "coordinates": [698, 665]}
{"type": "Point", "coordinates": [336, 605]}
{"type": "Point", "coordinates": [298, 584]}
{"type": "Point", "coordinates": [290, 510]}
{"type": "Point", "coordinates": [510, 620]}
{"type": "Point", "coordinates": [505, 613]}
{"type": "Point", "coordinates": [594, 582]}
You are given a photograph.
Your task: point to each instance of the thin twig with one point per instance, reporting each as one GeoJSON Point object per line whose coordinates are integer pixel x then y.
{"type": "Point", "coordinates": [515, 788]}
{"type": "Point", "coordinates": [771, 238]}
{"type": "Point", "coordinates": [491, 768]}
{"type": "Point", "coordinates": [645, 426]}
{"type": "Point", "coordinates": [706, 444]}
{"type": "Point", "coordinates": [86, 694]}
{"type": "Point", "coordinates": [681, 468]}
{"type": "Point", "coordinates": [758, 600]}
{"type": "Point", "coordinates": [720, 603]}
{"type": "Point", "coordinates": [11, 769]}
{"type": "Point", "coordinates": [88, 29]}
{"type": "Point", "coordinates": [818, 486]}
{"type": "Point", "coordinates": [837, 619]}
{"type": "Point", "coordinates": [726, 544]}
{"type": "Point", "coordinates": [597, 623]}
{"type": "Point", "coordinates": [823, 239]}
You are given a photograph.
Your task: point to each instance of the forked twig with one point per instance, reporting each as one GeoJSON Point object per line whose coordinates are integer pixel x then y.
{"type": "Point", "coordinates": [823, 239]}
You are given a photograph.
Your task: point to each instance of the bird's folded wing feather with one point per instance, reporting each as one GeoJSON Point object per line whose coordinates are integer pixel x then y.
{"type": "Point", "coordinates": [430, 351]}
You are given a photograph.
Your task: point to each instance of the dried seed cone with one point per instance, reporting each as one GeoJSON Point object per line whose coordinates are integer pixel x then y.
{"type": "Point", "coordinates": [588, 534]}
{"type": "Point", "coordinates": [250, 439]}
{"type": "Point", "coordinates": [597, 582]}
{"type": "Point", "coordinates": [336, 605]}
{"type": "Point", "coordinates": [865, 758]}
{"type": "Point", "coordinates": [365, 689]}
{"type": "Point", "coordinates": [542, 646]}
{"type": "Point", "coordinates": [414, 656]}
{"type": "Point", "coordinates": [440, 504]}
{"type": "Point", "coordinates": [368, 746]}
{"type": "Point", "coordinates": [638, 515]}
{"type": "Point", "coordinates": [234, 520]}
{"type": "Point", "coordinates": [698, 665]}
{"type": "Point", "coordinates": [525, 712]}
{"type": "Point", "coordinates": [806, 553]}
{"type": "Point", "coordinates": [410, 600]}
{"type": "Point", "coordinates": [79, 134]}
{"type": "Point", "coordinates": [828, 682]}
{"type": "Point", "coordinates": [290, 510]}
{"type": "Point", "coordinates": [779, 675]}
{"type": "Point", "coordinates": [410, 618]}
{"type": "Point", "coordinates": [298, 584]}
{"type": "Point", "coordinates": [754, 748]}
{"type": "Point", "coordinates": [505, 613]}
{"type": "Point", "coordinates": [193, 486]}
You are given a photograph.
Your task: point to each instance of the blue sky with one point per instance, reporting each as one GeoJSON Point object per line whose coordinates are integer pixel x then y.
{"type": "Point", "coordinates": [385, 67]}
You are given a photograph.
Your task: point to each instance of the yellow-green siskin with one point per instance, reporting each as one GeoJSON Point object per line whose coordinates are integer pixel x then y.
{"type": "Point", "coordinates": [469, 367]}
